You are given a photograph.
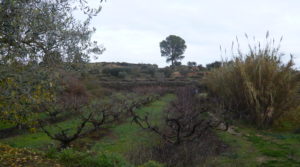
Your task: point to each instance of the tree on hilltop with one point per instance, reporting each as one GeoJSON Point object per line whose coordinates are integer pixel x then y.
{"type": "Point", "coordinates": [173, 47]}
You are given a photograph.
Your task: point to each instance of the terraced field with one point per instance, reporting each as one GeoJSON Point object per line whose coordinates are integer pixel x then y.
{"type": "Point", "coordinates": [118, 138]}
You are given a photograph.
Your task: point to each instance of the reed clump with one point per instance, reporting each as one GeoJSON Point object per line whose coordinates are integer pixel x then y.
{"type": "Point", "coordinates": [256, 86]}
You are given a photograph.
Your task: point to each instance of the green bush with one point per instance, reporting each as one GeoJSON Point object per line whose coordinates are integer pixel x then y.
{"type": "Point", "coordinates": [150, 70]}
{"type": "Point", "coordinates": [116, 71]}
{"type": "Point", "coordinates": [69, 157]}
{"type": "Point", "coordinates": [122, 75]}
{"type": "Point", "coordinates": [72, 158]}
{"type": "Point", "coordinates": [105, 160]}
{"type": "Point", "coordinates": [167, 71]}
{"type": "Point", "coordinates": [257, 86]}
{"type": "Point", "coordinates": [94, 71]}
{"type": "Point", "coordinates": [184, 71]}
{"type": "Point", "coordinates": [214, 65]}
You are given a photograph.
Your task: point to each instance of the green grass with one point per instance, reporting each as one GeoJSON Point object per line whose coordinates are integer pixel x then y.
{"type": "Point", "coordinates": [30, 140]}
{"type": "Point", "coordinates": [240, 153]}
{"type": "Point", "coordinates": [38, 140]}
{"type": "Point", "coordinates": [128, 135]}
{"type": "Point", "coordinates": [5, 125]}
{"type": "Point", "coordinates": [259, 148]}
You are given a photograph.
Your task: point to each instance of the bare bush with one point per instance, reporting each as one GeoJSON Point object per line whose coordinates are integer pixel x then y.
{"type": "Point", "coordinates": [100, 114]}
{"type": "Point", "coordinates": [183, 119]}
{"type": "Point", "coordinates": [185, 131]}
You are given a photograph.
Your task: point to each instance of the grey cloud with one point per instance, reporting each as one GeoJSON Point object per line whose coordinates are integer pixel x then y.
{"type": "Point", "coordinates": [131, 30]}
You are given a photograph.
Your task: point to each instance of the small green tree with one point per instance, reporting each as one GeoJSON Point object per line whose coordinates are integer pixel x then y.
{"type": "Point", "coordinates": [173, 47]}
{"type": "Point", "coordinates": [213, 65]}
{"type": "Point", "coordinates": [192, 64]}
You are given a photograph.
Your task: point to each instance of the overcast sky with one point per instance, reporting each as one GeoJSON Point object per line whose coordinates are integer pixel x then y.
{"type": "Point", "coordinates": [131, 30]}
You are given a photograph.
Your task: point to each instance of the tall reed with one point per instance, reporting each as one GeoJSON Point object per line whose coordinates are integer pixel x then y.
{"type": "Point", "coordinates": [256, 86]}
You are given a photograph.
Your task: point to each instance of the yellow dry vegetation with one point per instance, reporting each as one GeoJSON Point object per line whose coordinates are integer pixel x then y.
{"type": "Point", "coordinates": [16, 157]}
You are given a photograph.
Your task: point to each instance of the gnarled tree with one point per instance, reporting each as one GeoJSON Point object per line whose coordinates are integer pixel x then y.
{"type": "Point", "coordinates": [183, 120]}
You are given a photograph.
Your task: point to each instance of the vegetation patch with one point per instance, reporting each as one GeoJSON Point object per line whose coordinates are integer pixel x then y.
{"type": "Point", "coordinates": [16, 157]}
{"type": "Point", "coordinates": [257, 86]}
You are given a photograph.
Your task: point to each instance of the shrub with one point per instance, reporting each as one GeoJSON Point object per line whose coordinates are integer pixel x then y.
{"type": "Point", "coordinates": [116, 71]}
{"type": "Point", "coordinates": [289, 121]}
{"type": "Point", "coordinates": [167, 71]}
{"type": "Point", "coordinates": [104, 160]}
{"type": "Point", "coordinates": [201, 68]}
{"type": "Point", "coordinates": [122, 74]}
{"type": "Point", "coordinates": [94, 71]}
{"type": "Point", "coordinates": [184, 71]}
{"type": "Point", "coordinates": [257, 86]}
{"type": "Point", "coordinates": [69, 157]}
{"type": "Point", "coordinates": [216, 64]}
{"type": "Point", "coordinates": [73, 158]}
{"type": "Point", "coordinates": [192, 64]}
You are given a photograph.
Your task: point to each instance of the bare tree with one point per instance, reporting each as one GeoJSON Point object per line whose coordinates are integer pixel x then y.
{"type": "Point", "coordinates": [72, 102]}
{"type": "Point", "coordinates": [183, 119]}
{"type": "Point", "coordinates": [64, 136]}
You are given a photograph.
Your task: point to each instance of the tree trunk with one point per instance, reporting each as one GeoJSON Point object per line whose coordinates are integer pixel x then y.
{"type": "Point", "coordinates": [64, 144]}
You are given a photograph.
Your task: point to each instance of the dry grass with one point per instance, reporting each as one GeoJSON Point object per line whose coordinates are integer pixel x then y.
{"type": "Point", "coordinates": [256, 86]}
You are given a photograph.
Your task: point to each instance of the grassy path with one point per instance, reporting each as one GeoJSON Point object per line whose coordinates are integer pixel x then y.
{"type": "Point", "coordinates": [128, 135]}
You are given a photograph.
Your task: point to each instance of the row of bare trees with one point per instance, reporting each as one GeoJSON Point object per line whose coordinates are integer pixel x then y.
{"type": "Point", "coordinates": [73, 116]}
